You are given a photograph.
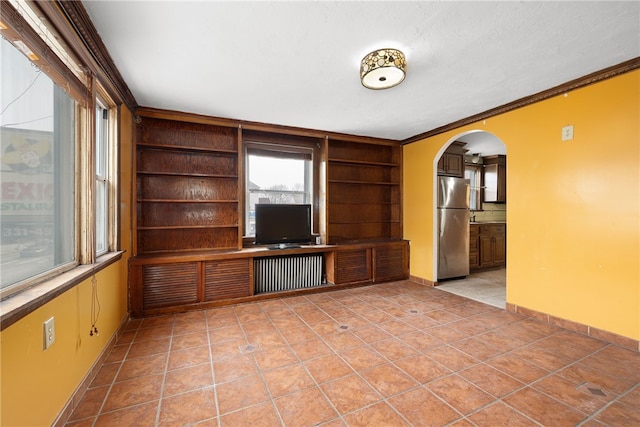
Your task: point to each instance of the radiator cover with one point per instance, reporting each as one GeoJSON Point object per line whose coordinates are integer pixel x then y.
{"type": "Point", "coordinates": [284, 273]}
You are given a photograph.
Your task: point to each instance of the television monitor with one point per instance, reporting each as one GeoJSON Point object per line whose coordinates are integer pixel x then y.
{"type": "Point", "coordinates": [283, 225]}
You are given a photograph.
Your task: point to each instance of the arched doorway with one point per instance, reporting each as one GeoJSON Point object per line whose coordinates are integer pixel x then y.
{"type": "Point", "coordinates": [486, 279]}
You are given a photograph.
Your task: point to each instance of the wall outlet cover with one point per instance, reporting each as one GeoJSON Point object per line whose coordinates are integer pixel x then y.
{"type": "Point", "coordinates": [49, 333]}
{"type": "Point", "coordinates": [567, 133]}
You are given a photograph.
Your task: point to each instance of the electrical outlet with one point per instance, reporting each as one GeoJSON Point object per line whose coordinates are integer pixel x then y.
{"type": "Point", "coordinates": [49, 331]}
{"type": "Point", "coordinates": [567, 133]}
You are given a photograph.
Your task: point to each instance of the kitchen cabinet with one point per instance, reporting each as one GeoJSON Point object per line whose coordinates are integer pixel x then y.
{"type": "Point", "coordinates": [474, 231]}
{"type": "Point", "coordinates": [495, 179]}
{"type": "Point", "coordinates": [487, 246]}
{"type": "Point", "coordinates": [451, 162]}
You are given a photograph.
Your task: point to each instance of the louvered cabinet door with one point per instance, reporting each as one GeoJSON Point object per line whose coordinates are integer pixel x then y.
{"type": "Point", "coordinates": [350, 266]}
{"type": "Point", "coordinates": [390, 263]}
{"type": "Point", "coordinates": [167, 285]}
{"type": "Point", "coordinates": [225, 279]}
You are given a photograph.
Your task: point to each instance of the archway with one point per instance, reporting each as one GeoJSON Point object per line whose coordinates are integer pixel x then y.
{"type": "Point", "coordinates": [482, 284]}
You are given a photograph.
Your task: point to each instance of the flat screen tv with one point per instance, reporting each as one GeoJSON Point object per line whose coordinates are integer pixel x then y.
{"type": "Point", "coordinates": [283, 225]}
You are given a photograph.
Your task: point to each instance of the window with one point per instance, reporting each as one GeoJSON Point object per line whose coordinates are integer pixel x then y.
{"type": "Point", "coordinates": [277, 174]}
{"type": "Point", "coordinates": [101, 190]}
{"type": "Point", "coordinates": [58, 180]}
{"type": "Point", "coordinates": [473, 174]}
{"type": "Point", "coordinates": [38, 209]}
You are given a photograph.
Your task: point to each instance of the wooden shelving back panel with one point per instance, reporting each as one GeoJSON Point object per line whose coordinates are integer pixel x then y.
{"type": "Point", "coordinates": [188, 135]}
{"type": "Point", "coordinates": [188, 163]}
{"type": "Point", "coordinates": [348, 213]}
{"type": "Point", "coordinates": [154, 214]}
{"type": "Point", "coordinates": [181, 188]}
{"type": "Point", "coordinates": [364, 173]}
{"type": "Point", "coordinates": [363, 194]}
{"type": "Point", "coordinates": [372, 153]}
{"type": "Point", "coordinates": [348, 233]}
{"type": "Point", "coordinates": [187, 239]}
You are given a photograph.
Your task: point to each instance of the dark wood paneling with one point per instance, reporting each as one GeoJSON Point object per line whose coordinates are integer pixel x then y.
{"type": "Point", "coordinates": [346, 233]}
{"type": "Point", "coordinates": [352, 266]}
{"type": "Point", "coordinates": [169, 284]}
{"type": "Point", "coordinates": [186, 214]}
{"type": "Point", "coordinates": [358, 213]}
{"type": "Point", "coordinates": [187, 239]}
{"type": "Point", "coordinates": [187, 163]}
{"type": "Point", "coordinates": [367, 153]}
{"type": "Point", "coordinates": [187, 135]}
{"type": "Point", "coordinates": [359, 193]}
{"type": "Point", "coordinates": [389, 263]}
{"type": "Point", "coordinates": [227, 279]}
{"type": "Point", "coordinates": [363, 173]}
{"type": "Point", "coordinates": [186, 188]}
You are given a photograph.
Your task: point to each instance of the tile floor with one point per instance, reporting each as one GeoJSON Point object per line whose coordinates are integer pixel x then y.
{"type": "Point", "coordinates": [489, 287]}
{"type": "Point", "coordinates": [393, 354]}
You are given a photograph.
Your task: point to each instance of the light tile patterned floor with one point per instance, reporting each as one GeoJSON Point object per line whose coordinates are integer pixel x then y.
{"type": "Point", "coordinates": [393, 354]}
{"type": "Point", "coordinates": [489, 287]}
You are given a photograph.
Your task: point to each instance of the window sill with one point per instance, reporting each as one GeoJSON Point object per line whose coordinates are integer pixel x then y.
{"type": "Point", "coordinates": [21, 304]}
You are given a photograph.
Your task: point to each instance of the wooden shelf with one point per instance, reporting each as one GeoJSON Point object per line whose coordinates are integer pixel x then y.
{"type": "Point", "coordinates": [171, 147]}
{"type": "Point", "coordinates": [337, 181]}
{"type": "Point", "coordinates": [187, 186]}
{"type": "Point", "coordinates": [179, 227]}
{"type": "Point", "coordinates": [202, 175]}
{"type": "Point", "coordinates": [363, 163]}
{"type": "Point", "coordinates": [364, 192]}
{"type": "Point", "coordinates": [184, 201]}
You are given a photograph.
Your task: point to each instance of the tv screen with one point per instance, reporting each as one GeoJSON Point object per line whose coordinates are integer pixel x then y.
{"type": "Point", "coordinates": [282, 224]}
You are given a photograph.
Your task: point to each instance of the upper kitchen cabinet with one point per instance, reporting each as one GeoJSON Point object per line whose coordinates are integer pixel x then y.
{"type": "Point", "coordinates": [451, 162]}
{"type": "Point", "coordinates": [495, 179]}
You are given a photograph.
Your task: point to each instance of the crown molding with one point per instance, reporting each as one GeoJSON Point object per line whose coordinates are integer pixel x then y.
{"type": "Point", "coordinates": [580, 82]}
{"type": "Point", "coordinates": [89, 46]}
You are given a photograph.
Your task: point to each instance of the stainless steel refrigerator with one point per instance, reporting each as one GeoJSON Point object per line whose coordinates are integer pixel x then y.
{"type": "Point", "coordinates": [453, 227]}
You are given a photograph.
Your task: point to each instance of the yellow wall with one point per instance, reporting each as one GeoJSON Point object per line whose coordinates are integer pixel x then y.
{"type": "Point", "coordinates": [36, 384]}
{"type": "Point", "coordinates": [573, 217]}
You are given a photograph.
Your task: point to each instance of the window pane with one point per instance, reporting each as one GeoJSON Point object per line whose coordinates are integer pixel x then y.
{"type": "Point", "coordinates": [472, 173]}
{"type": "Point", "coordinates": [276, 180]}
{"type": "Point", "coordinates": [37, 171]}
{"type": "Point", "coordinates": [101, 205]}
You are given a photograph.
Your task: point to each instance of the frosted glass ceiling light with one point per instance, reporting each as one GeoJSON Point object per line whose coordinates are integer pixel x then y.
{"type": "Point", "coordinates": [383, 68]}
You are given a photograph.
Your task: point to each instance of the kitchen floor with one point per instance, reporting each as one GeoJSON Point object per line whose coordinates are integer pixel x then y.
{"type": "Point", "coordinates": [393, 354]}
{"type": "Point", "coordinates": [489, 287]}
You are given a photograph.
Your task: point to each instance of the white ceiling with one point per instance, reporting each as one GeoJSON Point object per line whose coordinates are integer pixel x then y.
{"type": "Point", "coordinates": [297, 63]}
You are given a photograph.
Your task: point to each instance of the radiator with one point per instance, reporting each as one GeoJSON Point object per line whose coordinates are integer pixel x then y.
{"type": "Point", "coordinates": [285, 273]}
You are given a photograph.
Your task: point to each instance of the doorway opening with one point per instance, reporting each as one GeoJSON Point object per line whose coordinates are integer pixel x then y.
{"type": "Point", "coordinates": [485, 238]}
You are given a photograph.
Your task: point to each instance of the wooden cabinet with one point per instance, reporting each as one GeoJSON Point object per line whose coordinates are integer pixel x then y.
{"type": "Point", "coordinates": [364, 196]}
{"type": "Point", "coordinates": [390, 262]}
{"type": "Point", "coordinates": [495, 179]}
{"type": "Point", "coordinates": [490, 246]}
{"type": "Point", "coordinates": [474, 231]}
{"type": "Point", "coordinates": [451, 162]}
{"type": "Point", "coordinates": [349, 266]}
{"type": "Point", "coordinates": [187, 187]}
{"type": "Point", "coordinates": [188, 249]}
{"type": "Point", "coordinates": [166, 283]}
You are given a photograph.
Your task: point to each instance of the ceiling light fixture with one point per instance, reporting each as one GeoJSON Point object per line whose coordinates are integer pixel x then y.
{"type": "Point", "coordinates": [383, 69]}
